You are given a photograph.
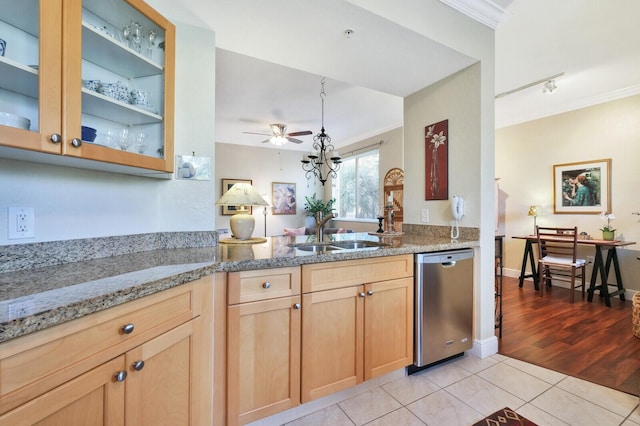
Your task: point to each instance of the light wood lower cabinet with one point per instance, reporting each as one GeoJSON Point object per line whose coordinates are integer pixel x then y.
{"type": "Point", "coordinates": [146, 362]}
{"type": "Point", "coordinates": [352, 322]}
{"type": "Point", "coordinates": [355, 333]}
{"type": "Point", "coordinates": [263, 343]}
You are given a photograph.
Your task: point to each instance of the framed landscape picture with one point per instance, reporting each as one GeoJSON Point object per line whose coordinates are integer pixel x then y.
{"type": "Point", "coordinates": [226, 185]}
{"type": "Point", "coordinates": [284, 198]}
{"type": "Point", "coordinates": [583, 187]}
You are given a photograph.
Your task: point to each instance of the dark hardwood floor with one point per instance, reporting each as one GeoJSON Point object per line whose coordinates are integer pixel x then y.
{"type": "Point", "coordinates": [584, 340]}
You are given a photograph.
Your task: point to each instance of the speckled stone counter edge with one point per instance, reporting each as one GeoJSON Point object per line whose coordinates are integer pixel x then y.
{"type": "Point", "coordinates": [19, 257]}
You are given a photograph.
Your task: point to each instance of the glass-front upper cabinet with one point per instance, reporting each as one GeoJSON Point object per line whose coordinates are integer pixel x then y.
{"type": "Point", "coordinates": [30, 75]}
{"type": "Point", "coordinates": [94, 80]}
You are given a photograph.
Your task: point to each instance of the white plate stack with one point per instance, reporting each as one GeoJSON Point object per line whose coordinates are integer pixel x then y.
{"type": "Point", "coordinates": [13, 120]}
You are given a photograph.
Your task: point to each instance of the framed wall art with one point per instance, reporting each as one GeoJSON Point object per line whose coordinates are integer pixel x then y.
{"type": "Point", "coordinates": [436, 180]}
{"type": "Point", "coordinates": [284, 198]}
{"type": "Point", "coordinates": [226, 185]}
{"type": "Point", "coordinates": [582, 188]}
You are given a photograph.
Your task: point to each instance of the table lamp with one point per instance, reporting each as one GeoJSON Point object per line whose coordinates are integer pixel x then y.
{"type": "Point", "coordinates": [242, 195]}
{"type": "Point", "coordinates": [535, 212]}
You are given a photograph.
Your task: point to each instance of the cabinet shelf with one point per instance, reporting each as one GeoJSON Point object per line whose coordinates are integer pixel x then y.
{"type": "Point", "coordinates": [18, 78]}
{"type": "Point", "coordinates": [20, 15]}
{"type": "Point", "coordinates": [99, 105]}
{"type": "Point", "coordinates": [107, 52]}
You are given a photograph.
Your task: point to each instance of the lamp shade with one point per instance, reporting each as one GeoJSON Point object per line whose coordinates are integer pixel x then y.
{"type": "Point", "coordinates": [534, 211]}
{"type": "Point", "coordinates": [242, 195]}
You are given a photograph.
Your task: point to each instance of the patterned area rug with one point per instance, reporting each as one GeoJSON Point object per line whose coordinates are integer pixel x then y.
{"type": "Point", "coordinates": [505, 417]}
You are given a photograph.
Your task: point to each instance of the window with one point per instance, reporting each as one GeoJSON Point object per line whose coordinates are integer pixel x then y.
{"type": "Point", "coordinates": [356, 189]}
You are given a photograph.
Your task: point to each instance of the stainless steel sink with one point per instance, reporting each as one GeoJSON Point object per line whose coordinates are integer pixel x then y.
{"type": "Point", "coordinates": [337, 245]}
{"type": "Point", "coordinates": [351, 245]}
{"type": "Point", "coordinates": [315, 247]}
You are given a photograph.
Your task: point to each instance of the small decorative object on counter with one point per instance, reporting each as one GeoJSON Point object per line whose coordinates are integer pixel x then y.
{"type": "Point", "coordinates": [608, 233]}
{"type": "Point", "coordinates": [3, 47]}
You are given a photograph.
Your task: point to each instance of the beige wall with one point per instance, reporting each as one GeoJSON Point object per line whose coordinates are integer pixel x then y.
{"type": "Point", "coordinates": [456, 98]}
{"type": "Point", "coordinates": [526, 153]}
{"type": "Point", "coordinates": [267, 165]}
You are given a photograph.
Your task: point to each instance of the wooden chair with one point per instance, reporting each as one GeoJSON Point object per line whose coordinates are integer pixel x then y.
{"type": "Point", "coordinates": [557, 258]}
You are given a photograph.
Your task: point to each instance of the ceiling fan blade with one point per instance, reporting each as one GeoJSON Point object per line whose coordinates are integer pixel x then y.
{"type": "Point", "coordinates": [268, 140]}
{"type": "Point", "coordinates": [254, 133]}
{"type": "Point", "coordinates": [294, 140]}
{"type": "Point", "coordinates": [303, 133]}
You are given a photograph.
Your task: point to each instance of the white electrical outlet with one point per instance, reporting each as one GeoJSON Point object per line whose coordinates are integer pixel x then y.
{"type": "Point", "coordinates": [425, 216]}
{"type": "Point", "coordinates": [21, 222]}
{"type": "Point", "coordinates": [590, 259]}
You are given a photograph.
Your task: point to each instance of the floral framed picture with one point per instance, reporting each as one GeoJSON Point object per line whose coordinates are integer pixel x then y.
{"type": "Point", "coordinates": [226, 185]}
{"type": "Point", "coordinates": [582, 188]}
{"type": "Point", "coordinates": [436, 179]}
{"type": "Point", "coordinates": [284, 198]}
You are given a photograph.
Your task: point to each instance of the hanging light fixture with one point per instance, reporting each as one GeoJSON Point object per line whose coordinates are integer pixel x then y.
{"type": "Point", "coordinates": [323, 161]}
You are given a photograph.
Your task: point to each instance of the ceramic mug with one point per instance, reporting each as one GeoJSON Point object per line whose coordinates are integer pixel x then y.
{"type": "Point", "coordinates": [3, 47]}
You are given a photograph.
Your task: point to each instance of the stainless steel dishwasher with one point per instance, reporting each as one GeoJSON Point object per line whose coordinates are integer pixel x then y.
{"type": "Point", "coordinates": [443, 305]}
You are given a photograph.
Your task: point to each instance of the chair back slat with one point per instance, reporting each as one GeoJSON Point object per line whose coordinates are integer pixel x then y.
{"type": "Point", "coordinates": [557, 242]}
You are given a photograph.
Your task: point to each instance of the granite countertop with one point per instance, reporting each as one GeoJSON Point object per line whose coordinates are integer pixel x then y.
{"type": "Point", "coordinates": [55, 290]}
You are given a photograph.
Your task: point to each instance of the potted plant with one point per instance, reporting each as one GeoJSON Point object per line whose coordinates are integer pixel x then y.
{"type": "Point", "coordinates": [316, 207]}
{"type": "Point", "coordinates": [608, 233]}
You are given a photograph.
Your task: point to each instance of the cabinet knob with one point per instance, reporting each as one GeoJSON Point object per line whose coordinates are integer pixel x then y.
{"type": "Point", "coordinates": [55, 138]}
{"type": "Point", "coordinates": [370, 292]}
{"type": "Point", "coordinates": [76, 142]}
{"type": "Point", "coordinates": [120, 376]}
{"type": "Point", "coordinates": [138, 365]}
{"type": "Point", "coordinates": [297, 306]}
{"type": "Point", "coordinates": [266, 284]}
{"type": "Point", "coordinates": [127, 329]}
{"type": "Point", "coordinates": [362, 294]}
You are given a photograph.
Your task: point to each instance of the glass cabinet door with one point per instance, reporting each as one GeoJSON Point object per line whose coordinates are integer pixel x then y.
{"type": "Point", "coordinates": [30, 74]}
{"type": "Point", "coordinates": [118, 72]}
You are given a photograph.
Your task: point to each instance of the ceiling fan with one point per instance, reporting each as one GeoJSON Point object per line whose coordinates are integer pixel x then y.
{"type": "Point", "coordinates": [279, 136]}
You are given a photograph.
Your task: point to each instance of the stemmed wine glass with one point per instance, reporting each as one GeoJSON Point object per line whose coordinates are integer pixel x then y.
{"type": "Point", "coordinates": [123, 139]}
{"type": "Point", "coordinates": [137, 35]}
{"type": "Point", "coordinates": [141, 143]}
{"type": "Point", "coordinates": [151, 43]}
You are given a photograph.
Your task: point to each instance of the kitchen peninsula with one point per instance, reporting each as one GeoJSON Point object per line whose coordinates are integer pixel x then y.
{"type": "Point", "coordinates": [174, 286]}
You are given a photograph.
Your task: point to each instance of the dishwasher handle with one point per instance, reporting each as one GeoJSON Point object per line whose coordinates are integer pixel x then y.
{"type": "Point", "coordinates": [449, 264]}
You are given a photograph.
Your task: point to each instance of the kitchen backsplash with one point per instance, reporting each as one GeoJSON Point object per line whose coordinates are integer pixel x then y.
{"type": "Point", "coordinates": [37, 255]}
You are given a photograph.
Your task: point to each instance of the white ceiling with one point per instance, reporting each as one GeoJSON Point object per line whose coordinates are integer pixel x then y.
{"type": "Point", "coordinates": [271, 57]}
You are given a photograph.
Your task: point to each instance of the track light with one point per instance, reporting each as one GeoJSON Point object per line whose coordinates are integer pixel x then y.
{"type": "Point", "coordinates": [549, 86]}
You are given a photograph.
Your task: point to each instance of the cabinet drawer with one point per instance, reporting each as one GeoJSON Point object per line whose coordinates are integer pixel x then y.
{"type": "Point", "coordinates": [251, 286]}
{"type": "Point", "coordinates": [330, 275]}
{"type": "Point", "coordinates": [36, 363]}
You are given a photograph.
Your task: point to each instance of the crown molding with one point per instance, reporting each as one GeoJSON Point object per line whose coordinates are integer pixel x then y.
{"type": "Point", "coordinates": [484, 11]}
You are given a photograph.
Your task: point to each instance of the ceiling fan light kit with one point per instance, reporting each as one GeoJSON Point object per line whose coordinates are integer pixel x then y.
{"type": "Point", "coordinates": [323, 161]}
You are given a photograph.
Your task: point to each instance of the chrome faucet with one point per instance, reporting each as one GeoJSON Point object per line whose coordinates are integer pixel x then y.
{"type": "Point", "coordinates": [320, 225]}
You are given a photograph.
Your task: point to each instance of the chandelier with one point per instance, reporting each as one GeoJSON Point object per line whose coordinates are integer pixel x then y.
{"type": "Point", "coordinates": [323, 161]}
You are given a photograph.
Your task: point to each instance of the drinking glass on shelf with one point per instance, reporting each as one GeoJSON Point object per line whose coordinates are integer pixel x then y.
{"type": "Point", "coordinates": [141, 142]}
{"type": "Point", "coordinates": [123, 139]}
{"type": "Point", "coordinates": [137, 35]}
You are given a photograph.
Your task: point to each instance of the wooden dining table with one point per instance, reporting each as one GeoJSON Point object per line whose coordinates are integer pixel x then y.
{"type": "Point", "coordinates": [601, 266]}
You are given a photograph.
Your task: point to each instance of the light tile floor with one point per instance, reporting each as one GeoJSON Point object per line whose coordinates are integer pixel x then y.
{"type": "Point", "coordinates": [465, 390]}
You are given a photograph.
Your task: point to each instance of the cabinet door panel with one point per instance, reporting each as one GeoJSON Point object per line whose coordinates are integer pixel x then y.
{"type": "Point", "coordinates": [263, 358]}
{"type": "Point", "coordinates": [31, 81]}
{"type": "Point", "coordinates": [160, 393]}
{"type": "Point", "coordinates": [332, 348]}
{"type": "Point", "coordinates": [93, 398]}
{"type": "Point", "coordinates": [388, 318]}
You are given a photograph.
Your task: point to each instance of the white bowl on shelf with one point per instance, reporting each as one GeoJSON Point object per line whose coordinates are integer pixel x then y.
{"type": "Point", "coordinates": [13, 120]}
